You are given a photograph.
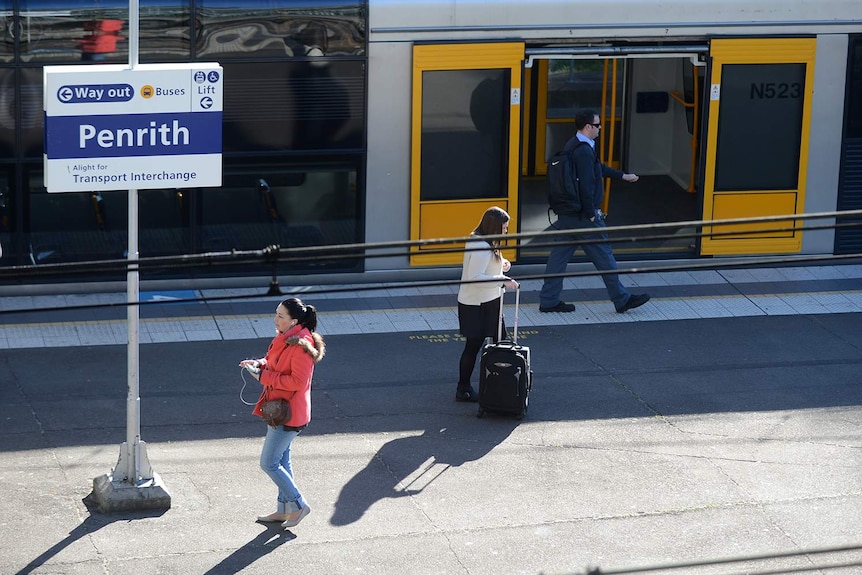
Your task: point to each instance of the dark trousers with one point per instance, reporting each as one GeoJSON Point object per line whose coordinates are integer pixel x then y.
{"type": "Point", "coordinates": [600, 254]}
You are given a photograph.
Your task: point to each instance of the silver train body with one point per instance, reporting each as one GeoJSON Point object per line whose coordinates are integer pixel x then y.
{"type": "Point", "coordinates": [654, 39]}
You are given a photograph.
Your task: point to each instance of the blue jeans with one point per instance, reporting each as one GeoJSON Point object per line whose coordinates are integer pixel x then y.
{"type": "Point", "coordinates": [599, 253]}
{"type": "Point", "coordinates": [275, 462]}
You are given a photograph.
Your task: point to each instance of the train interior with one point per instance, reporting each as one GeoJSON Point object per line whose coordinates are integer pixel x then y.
{"type": "Point", "coordinates": [651, 110]}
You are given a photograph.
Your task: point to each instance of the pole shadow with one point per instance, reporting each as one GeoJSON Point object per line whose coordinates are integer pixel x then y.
{"type": "Point", "coordinates": [90, 525]}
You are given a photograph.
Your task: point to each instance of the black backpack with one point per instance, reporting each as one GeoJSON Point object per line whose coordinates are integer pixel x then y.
{"type": "Point", "coordinates": [563, 195]}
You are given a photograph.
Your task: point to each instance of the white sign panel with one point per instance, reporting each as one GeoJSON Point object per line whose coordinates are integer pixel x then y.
{"type": "Point", "coordinates": [112, 127]}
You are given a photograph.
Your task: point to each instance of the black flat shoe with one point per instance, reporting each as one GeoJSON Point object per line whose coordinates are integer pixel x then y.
{"type": "Point", "coordinates": [466, 394]}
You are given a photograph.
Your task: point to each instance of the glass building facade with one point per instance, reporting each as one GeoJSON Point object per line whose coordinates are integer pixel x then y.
{"type": "Point", "coordinates": [293, 129]}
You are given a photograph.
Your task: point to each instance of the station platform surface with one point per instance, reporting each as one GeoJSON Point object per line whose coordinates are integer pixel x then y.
{"type": "Point", "coordinates": [719, 422]}
{"type": "Point", "coordinates": [231, 314]}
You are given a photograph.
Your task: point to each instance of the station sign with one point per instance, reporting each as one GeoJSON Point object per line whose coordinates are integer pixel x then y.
{"type": "Point", "coordinates": [154, 126]}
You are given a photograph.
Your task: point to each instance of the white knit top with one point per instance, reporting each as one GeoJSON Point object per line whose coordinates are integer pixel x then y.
{"type": "Point", "coordinates": [480, 263]}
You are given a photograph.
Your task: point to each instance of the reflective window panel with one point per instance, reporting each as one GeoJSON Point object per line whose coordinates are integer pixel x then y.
{"type": "Point", "coordinates": [266, 205]}
{"type": "Point", "coordinates": [32, 112]}
{"type": "Point", "coordinates": [73, 31]}
{"type": "Point", "coordinates": [73, 227]}
{"type": "Point", "coordinates": [7, 214]}
{"type": "Point", "coordinates": [765, 102]}
{"type": "Point", "coordinates": [854, 90]}
{"type": "Point", "coordinates": [280, 28]}
{"type": "Point", "coordinates": [7, 113]}
{"type": "Point", "coordinates": [278, 106]}
{"type": "Point", "coordinates": [464, 134]}
{"type": "Point", "coordinates": [86, 226]}
{"type": "Point", "coordinates": [7, 32]}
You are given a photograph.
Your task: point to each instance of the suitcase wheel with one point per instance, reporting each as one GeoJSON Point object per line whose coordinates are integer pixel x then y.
{"type": "Point", "coordinates": [481, 413]}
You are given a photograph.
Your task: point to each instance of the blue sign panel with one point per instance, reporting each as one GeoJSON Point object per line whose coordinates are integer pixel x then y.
{"type": "Point", "coordinates": [126, 136]}
{"type": "Point", "coordinates": [89, 93]}
{"type": "Point", "coordinates": [114, 127]}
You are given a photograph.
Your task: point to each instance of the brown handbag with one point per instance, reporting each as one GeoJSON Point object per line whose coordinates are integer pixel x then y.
{"type": "Point", "coordinates": [275, 412]}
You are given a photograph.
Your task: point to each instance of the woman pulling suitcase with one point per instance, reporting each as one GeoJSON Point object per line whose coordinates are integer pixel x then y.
{"type": "Point", "coordinates": [479, 294]}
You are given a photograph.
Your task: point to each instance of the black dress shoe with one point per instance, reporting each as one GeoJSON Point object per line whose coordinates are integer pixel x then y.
{"type": "Point", "coordinates": [562, 307]}
{"type": "Point", "coordinates": [636, 300]}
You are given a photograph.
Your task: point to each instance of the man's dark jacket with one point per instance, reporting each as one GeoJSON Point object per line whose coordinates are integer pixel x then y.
{"type": "Point", "coordinates": [590, 173]}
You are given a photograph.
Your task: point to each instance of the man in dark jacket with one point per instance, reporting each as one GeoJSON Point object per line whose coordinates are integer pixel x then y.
{"type": "Point", "coordinates": [590, 172]}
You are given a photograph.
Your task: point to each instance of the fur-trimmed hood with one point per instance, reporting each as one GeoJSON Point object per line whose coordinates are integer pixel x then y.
{"type": "Point", "coordinates": [313, 347]}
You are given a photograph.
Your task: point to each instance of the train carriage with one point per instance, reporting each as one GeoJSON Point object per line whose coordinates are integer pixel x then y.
{"type": "Point", "coordinates": [726, 110]}
{"type": "Point", "coordinates": [351, 121]}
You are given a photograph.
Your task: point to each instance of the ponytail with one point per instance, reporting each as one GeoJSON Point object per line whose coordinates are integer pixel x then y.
{"type": "Point", "coordinates": [304, 314]}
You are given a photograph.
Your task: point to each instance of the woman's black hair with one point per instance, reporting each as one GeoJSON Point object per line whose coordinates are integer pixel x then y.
{"type": "Point", "coordinates": [305, 314]}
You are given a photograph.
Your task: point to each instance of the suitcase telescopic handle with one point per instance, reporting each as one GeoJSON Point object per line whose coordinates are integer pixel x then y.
{"type": "Point", "coordinates": [500, 321]}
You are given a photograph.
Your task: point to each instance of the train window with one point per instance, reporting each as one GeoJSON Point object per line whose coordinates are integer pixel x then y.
{"type": "Point", "coordinates": [264, 205]}
{"type": "Point", "coordinates": [278, 106]}
{"type": "Point", "coordinates": [7, 213]}
{"type": "Point", "coordinates": [280, 28]}
{"type": "Point", "coordinates": [96, 30]}
{"type": "Point", "coordinates": [464, 133]}
{"type": "Point", "coordinates": [760, 126]}
{"type": "Point", "coordinates": [854, 91]}
{"type": "Point", "coordinates": [31, 113]}
{"type": "Point", "coordinates": [7, 113]}
{"type": "Point", "coordinates": [574, 85]}
{"type": "Point", "coordinates": [268, 107]}
{"type": "Point", "coordinates": [7, 31]}
{"type": "Point", "coordinates": [73, 226]}
{"type": "Point", "coordinates": [7, 209]}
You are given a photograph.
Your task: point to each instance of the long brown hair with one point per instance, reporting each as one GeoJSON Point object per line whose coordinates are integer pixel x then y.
{"type": "Point", "coordinates": [492, 224]}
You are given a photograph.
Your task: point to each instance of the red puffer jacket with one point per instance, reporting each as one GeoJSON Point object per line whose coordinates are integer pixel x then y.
{"type": "Point", "coordinates": [287, 370]}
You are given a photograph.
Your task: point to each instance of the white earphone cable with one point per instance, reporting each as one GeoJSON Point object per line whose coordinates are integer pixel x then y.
{"type": "Point", "coordinates": [244, 382]}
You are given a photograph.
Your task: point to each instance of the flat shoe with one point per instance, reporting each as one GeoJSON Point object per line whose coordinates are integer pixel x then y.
{"type": "Point", "coordinates": [466, 394]}
{"type": "Point", "coordinates": [273, 517]}
{"type": "Point", "coordinates": [297, 517]}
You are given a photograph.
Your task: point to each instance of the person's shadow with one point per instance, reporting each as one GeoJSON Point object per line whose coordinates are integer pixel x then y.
{"type": "Point", "coordinates": [266, 542]}
{"type": "Point", "coordinates": [407, 465]}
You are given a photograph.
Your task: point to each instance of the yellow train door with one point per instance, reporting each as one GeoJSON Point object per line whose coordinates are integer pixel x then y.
{"type": "Point", "coordinates": [465, 141]}
{"type": "Point", "coordinates": [757, 142]}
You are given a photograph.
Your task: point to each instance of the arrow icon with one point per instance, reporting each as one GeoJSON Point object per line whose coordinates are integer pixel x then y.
{"type": "Point", "coordinates": [65, 94]}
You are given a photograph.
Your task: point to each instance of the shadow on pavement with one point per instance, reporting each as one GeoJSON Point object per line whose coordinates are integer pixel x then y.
{"type": "Point", "coordinates": [91, 524]}
{"type": "Point", "coordinates": [405, 466]}
{"type": "Point", "coordinates": [269, 540]}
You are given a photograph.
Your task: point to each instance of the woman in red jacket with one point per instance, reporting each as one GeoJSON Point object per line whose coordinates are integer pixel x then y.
{"type": "Point", "coordinates": [285, 373]}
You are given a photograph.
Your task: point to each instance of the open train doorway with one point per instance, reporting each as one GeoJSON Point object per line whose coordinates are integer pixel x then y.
{"type": "Point", "coordinates": [651, 107]}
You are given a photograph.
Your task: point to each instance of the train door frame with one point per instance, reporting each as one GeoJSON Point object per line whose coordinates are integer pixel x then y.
{"type": "Point", "coordinates": [695, 55]}
{"type": "Point", "coordinates": [456, 212]}
{"type": "Point", "coordinates": [776, 79]}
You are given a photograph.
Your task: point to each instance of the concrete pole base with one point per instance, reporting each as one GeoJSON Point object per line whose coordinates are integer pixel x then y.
{"type": "Point", "coordinates": [113, 496]}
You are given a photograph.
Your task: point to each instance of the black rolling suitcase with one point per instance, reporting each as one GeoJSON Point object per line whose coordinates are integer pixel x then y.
{"type": "Point", "coordinates": [505, 377]}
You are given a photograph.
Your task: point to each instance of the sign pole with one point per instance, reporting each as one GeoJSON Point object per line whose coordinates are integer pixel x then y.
{"type": "Point", "coordinates": [133, 484]}
{"type": "Point", "coordinates": [133, 400]}
{"type": "Point", "coordinates": [115, 127]}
